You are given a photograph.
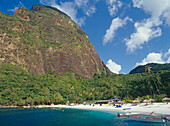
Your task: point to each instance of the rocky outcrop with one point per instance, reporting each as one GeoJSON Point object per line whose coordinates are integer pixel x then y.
{"type": "Point", "coordinates": [45, 39]}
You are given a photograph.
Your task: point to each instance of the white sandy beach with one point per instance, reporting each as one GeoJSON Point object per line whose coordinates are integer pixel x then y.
{"type": "Point", "coordinates": [157, 108]}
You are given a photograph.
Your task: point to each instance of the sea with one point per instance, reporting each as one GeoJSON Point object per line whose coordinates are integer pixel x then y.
{"type": "Point", "coordinates": [64, 117]}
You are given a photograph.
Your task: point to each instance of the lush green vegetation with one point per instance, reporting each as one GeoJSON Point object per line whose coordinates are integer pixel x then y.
{"type": "Point", "coordinates": [18, 87]}
{"type": "Point", "coordinates": [154, 67]}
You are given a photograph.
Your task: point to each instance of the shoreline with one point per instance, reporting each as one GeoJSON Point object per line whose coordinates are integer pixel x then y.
{"type": "Point", "coordinates": [157, 108]}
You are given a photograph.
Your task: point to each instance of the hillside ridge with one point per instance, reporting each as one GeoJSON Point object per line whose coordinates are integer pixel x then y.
{"type": "Point", "coordinates": [154, 68]}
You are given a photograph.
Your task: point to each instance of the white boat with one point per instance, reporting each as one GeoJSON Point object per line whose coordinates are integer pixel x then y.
{"type": "Point", "coordinates": [123, 115]}
{"type": "Point", "coordinates": [146, 119]}
{"type": "Point", "coordinates": [127, 113]}
{"type": "Point", "coordinates": [26, 107]}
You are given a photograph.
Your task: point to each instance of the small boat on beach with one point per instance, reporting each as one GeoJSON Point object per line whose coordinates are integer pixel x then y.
{"type": "Point", "coordinates": [146, 119]}
{"type": "Point", "coordinates": [127, 113]}
{"type": "Point", "coordinates": [26, 107]}
{"type": "Point", "coordinates": [143, 118]}
{"type": "Point", "coordinates": [123, 115]}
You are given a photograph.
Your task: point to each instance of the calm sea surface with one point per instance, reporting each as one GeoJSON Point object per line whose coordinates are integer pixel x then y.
{"type": "Point", "coordinates": [64, 117]}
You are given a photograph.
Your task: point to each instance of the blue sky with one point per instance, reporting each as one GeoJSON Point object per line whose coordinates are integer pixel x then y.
{"type": "Point", "coordinates": [125, 33]}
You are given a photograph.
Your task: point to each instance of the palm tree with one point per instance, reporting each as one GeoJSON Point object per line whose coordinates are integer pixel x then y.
{"type": "Point", "coordinates": [148, 69]}
{"type": "Point", "coordinates": [148, 82]}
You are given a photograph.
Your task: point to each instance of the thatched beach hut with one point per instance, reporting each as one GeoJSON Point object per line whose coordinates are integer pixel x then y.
{"type": "Point", "coordinates": [103, 102]}
{"type": "Point", "coordinates": [113, 100]}
{"type": "Point", "coordinates": [166, 99]}
{"type": "Point", "coordinates": [151, 100]}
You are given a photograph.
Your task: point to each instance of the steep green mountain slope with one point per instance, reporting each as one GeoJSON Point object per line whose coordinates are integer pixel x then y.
{"type": "Point", "coordinates": [45, 39]}
{"type": "Point", "coordinates": [154, 68]}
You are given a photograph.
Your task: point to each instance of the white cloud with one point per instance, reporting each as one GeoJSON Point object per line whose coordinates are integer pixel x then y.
{"type": "Point", "coordinates": [16, 7]}
{"type": "Point", "coordinates": [168, 61]}
{"type": "Point", "coordinates": [112, 10]}
{"type": "Point", "coordinates": [47, 2]}
{"type": "Point", "coordinates": [81, 3]}
{"type": "Point", "coordinates": [71, 8]}
{"type": "Point", "coordinates": [154, 7]}
{"type": "Point", "coordinates": [87, 6]}
{"type": "Point", "coordinates": [152, 58]}
{"type": "Point", "coordinates": [167, 53]}
{"type": "Point", "coordinates": [13, 10]}
{"type": "Point", "coordinates": [137, 3]}
{"type": "Point", "coordinates": [149, 28]}
{"type": "Point", "coordinates": [116, 23]}
{"type": "Point", "coordinates": [113, 6]}
{"type": "Point", "coordinates": [156, 58]}
{"type": "Point", "coordinates": [144, 32]}
{"type": "Point", "coordinates": [68, 8]}
{"type": "Point", "coordinates": [166, 15]}
{"type": "Point", "coordinates": [120, 4]}
{"type": "Point", "coordinates": [91, 10]}
{"type": "Point", "coordinates": [115, 68]}
{"type": "Point", "coordinates": [82, 21]}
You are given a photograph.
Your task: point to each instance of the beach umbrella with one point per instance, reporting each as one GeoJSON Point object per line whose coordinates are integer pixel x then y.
{"type": "Point", "coordinates": [110, 103]}
{"type": "Point", "coordinates": [67, 103]}
{"type": "Point", "coordinates": [136, 101]}
{"type": "Point", "coordinates": [115, 99]}
{"type": "Point", "coordinates": [166, 99]}
{"type": "Point", "coordinates": [146, 101]}
{"type": "Point", "coordinates": [121, 102]}
{"type": "Point", "coordinates": [151, 100]}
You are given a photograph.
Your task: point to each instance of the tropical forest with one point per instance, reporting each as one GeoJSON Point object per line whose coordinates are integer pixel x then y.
{"type": "Point", "coordinates": [19, 87]}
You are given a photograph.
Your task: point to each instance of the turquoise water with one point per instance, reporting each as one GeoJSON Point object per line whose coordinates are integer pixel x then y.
{"type": "Point", "coordinates": [64, 117]}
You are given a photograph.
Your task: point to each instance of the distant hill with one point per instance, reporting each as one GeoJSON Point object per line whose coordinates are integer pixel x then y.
{"type": "Point", "coordinates": [154, 67]}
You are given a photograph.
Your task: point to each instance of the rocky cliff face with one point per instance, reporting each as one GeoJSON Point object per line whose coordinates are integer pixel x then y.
{"type": "Point", "coordinates": [45, 39]}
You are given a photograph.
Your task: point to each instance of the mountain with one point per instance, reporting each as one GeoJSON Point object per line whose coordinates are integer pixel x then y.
{"type": "Point", "coordinates": [154, 68]}
{"type": "Point", "coordinates": [43, 40]}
